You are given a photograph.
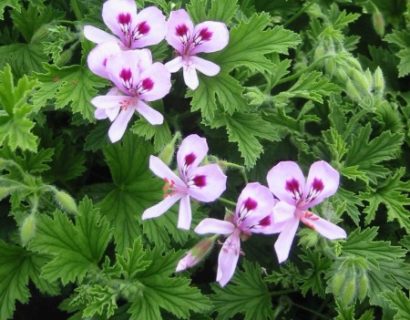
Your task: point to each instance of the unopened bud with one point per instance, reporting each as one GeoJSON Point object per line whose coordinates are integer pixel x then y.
{"type": "Point", "coordinates": [378, 22]}
{"type": "Point", "coordinates": [64, 58]}
{"type": "Point", "coordinates": [167, 154]}
{"type": "Point", "coordinates": [2, 163]}
{"type": "Point", "coordinates": [337, 282]}
{"type": "Point", "coordinates": [196, 254]}
{"type": "Point", "coordinates": [363, 286]}
{"type": "Point", "coordinates": [66, 202]}
{"type": "Point", "coordinates": [361, 81]}
{"type": "Point", "coordinates": [4, 192]}
{"type": "Point", "coordinates": [352, 92]}
{"type": "Point", "coordinates": [349, 292]}
{"type": "Point", "coordinates": [378, 81]}
{"type": "Point", "coordinates": [255, 97]}
{"type": "Point", "coordinates": [28, 229]}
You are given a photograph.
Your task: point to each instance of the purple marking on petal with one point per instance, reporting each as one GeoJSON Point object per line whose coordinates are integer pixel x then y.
{"type": "Point", "coordinates": [105, 62]}
{"type": "Point", "coordinates": [147, 84]}
{"type": "Point", "coordinates": [190, 158]}
{"type": "Point", "coordinates": [199, 181]}
{"type": "Point", "coordinates": [181, 30]}
{"type": "Point", "coordinates": [124, 18]}
{"type": "Point", "coordinates": [205, 34]}
{"type": "Point", "coordinates": [250, 204]}
{"type": "Point", "coordinates": [143, 28]}
{"type": "Point", "coordinates": [292, 185]}
{"type": "Point", "coordinates": [265, 221]}
{"type": "Point", "coordinates": [317, 185]}
{"type": "Point", "coordinates": [125, 74]}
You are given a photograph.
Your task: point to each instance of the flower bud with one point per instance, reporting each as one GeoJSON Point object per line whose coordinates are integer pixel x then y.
{"type": "Point", "coordinates": [352, 92]}
{"type": "Point", "coordinates": [2, 163]}
{"type": "Point", "coordinates": [362, 286]}
{"type": "Point", "coordinates": [28, 229]}
{"type": "Point", "coordinates": [4, 192]}
{"type": "Point", "coordinates": [378, 80]}
{"type": "Point", "coordinates": [196, 254]}
{"type": "Point", "coordinates": [167, 154]}
{"type": "Point", "coordinates": [66, 202]}
{"type": "Point", "coordinates": [361, 81]}
{"type": "Point", "coordinates": [349, 291]}
{"type": "Point", "coordinates": [378, 22]}
{"type": "Point", "coordinates": [255, 97]}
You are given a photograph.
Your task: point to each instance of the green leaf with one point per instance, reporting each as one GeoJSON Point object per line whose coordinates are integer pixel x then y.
{"type": "Point", "coordinates": [72, 86]}
{"type": "Point", "coordinates": [400, 302]}
{"type": "Point", "coordinates": [160, 133]}
{"type": "Point", "coordinates": [33, 163]}
{"type": "Point", "coordinates": [250, 41]}
{"type": "Point", "coordinates": [76, 248]}
{"type": "Point", "coordinates": [135, 189]}
{"type": "Point", "coordinates": [15, 124]}
{"type": "Point", "coordinates": [402, 40]}
{"type": "Point", "coordinates": [245, 129]}
{"type": "Point", "coordinates": [222, 10]}
{"type": "Point", "coordinates": [247, 295]}
{"type": "Point", "coordinates": [15, 4]}
{"type": "Point", "coordinates": [393, 193]}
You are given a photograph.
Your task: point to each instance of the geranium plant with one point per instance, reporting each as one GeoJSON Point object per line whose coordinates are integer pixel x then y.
{"type": "Point", "coordinates": [152, 159]}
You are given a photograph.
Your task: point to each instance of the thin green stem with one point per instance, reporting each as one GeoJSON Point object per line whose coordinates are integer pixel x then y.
{"type": "Point", "coordinates": [298, 14]}
{"type": "Point", "coordinates": [76, 9]}
{"type": "Point", "coordinates": [317, 314]}
{"type": "Point", "coordinates": [226, 201]}
{"type": "Point", "coordinates": [236, 166]}
{"type": "Point", "coordinates": [281, 292]}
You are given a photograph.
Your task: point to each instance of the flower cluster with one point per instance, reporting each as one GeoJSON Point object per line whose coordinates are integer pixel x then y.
{"type": "Point", "coordinates": [121, 58]}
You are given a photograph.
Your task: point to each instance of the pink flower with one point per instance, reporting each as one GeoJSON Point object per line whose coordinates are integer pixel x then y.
{"type": "Point", "coordinates": [189, 40]}
{"type": "Point", "coordinates": [133, 30]}
{"type": "Point", "coordinates": [204, 183]}
{"type": "Point", "coordinates": [137, 80]}
{"type": "Point", "coordinates": [196, 254]}
{"type": "Point", "coordinates": [253, 214]}
{"type": "Point", "coordinates": [287, 183]}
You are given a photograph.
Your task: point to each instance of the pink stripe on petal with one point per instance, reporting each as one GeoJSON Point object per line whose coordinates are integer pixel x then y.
{"type": "Point", "coordinates": [150, 114]}
{"type": "Point", "coordinates": [286, 181]}
{"type": "Point", "coordinates": [228, 258]}
{"type": "Point", "coordinates": [160, 169]}
{"type": "Point", "coordinates": [213, 183]}
{"type": "Point", "coordinates": [210, 225]}
{"type": "Point", "coordinates": [161, 207]}
{"type": "Point", "coordinates": [324, 227]}
{"type": "Point", "coordinates": [97, 35]}
{"type": "Point", "coordinates": [154, 27]}
{"type": "Point", "coordinates": [174, 65]}
{"type": "Point", "coordinates": [185, 214]}
{"type": "Point", "coordinates": [285, 239]}
{"type": "Point", "coordinates": [190, 76]}
{"type": "Point", "coordinates": [120, 124]}
{"type": "Point", "coordinates": [212, 36]}
{"type": "Point", "coordinates": [206, 67]}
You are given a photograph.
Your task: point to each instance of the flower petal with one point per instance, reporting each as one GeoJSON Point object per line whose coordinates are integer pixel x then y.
{"type": "Point", "coordinates": [322, 182]}
{"type": "Point", "coordinates": [210, 225]}
{"type": "Point", "coordinates": [98, 57]}
{"type": "Point", "coordinates": [286, 181]}
{"type": "Point", "coordinates": [97, 35]}
{"type": "Point", "coordinates": [191, 152]}
{"type": "Point", "coordinates": [190, 76]}
{"type": "Point", "coordinates": [160, 169]}
{"type": "Point", "coordinates": [285, 239]}
{"type": "Point", "coordinates": [116, 13]}
{"type": "Point", "coordinates": [207, 183]}
{"type": "Point", "coordinates": [154, 25]}
{"type": "Point", "coordinates": [159, 80]}
{"type": "Point", "coordinates": [174, 65]}
{"type": "Point", "coordinates": [185, 213]}
{"type": "Point", "coordinates": [325, 228]}
{"type": "Point", "coordinates": [100, 114]}
{"type": "Point", "coordinates": [150, 114]}
{"type": "Point", "coordinates": [109, 101]}
{"type": "Point", "coordinates": [283, 212]}
{"type": "Point", "coordinates": [161, 207]}
{"type": "Point", "coordinates": [179, 27]}
{"type": "Point", "coordinates": [216, 36]}
{"type": "Point", "coordinates": [186, 262]}
{"type": "Point", "coordinates": [120, 124]}
{"type": "Point", "coordinates": [228, 258]}
{"type": "Point", "coordinates": [206, 67]}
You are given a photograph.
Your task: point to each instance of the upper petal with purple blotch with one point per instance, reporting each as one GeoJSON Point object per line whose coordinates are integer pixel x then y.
{"type": "Point", "coordinates": [180, 29]}
{"type": "Point", "coordinates": [98, 57]}
{"type": "Point", "coordinates": [97, 35]}
{"type": "Point", "coordinates": [215, 226]}
{"type": "Point", "coordinates": [150, 27]}
{"type": "Point", "coordinates": [206, 183]}
{"type": "Point", "coordinates": [322, 182]}
{"type": "Point", "coordinates": [191, 152]}
{"type": "Point", "coordinates": [210, 36]}
{"type": "Point", "coordinates": [325, 228]}
{"type": "Point", "coordinates": [228, 258]}
{"type": "Point", "coordinates": [286, 181]}
{"type": "Point", "coordinates": [120, 16]}
{"type": "Point", "coordinates": [155, 82]}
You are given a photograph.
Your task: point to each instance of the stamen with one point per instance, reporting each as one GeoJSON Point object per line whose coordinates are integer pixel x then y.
{"type": "Point", "coordinates": [168, 187]}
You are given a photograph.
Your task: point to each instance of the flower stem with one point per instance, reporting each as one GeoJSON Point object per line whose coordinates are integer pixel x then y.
{"type": "Point", "coordinates": [76, 9]}
{"type": "Point", "coordinates": [317, 314]}
{"type": "Point", "coordinates": [226, 201]}
{"type": "Point", "coordinates": [281, 292]}
{"type": "Point", "coordinates": [297, 14]}
{"type": "Point", "coordinates": [236, 166]}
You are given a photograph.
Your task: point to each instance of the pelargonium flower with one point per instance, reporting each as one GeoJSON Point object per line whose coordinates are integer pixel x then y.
{"type": "Point", "coordinates": [189, 40]}
{"type": "Point", "coordinates": [133, 30]}
{"type": "Point", "coordinates": [137, 80]}
{"type": "Point", "coordinates": [253, 214]}
{"type": "Point", "coordinates": [205, 183]}
{"type": "Point", "coordinates": [287, 183]}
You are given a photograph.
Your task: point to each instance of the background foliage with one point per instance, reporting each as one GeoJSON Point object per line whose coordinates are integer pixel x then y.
{"type": "Point", "coordinates": [300, 80]}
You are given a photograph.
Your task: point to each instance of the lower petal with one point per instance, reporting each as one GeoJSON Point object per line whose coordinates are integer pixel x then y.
{"type": "Point", "coordinates": [210, 225]}
{"type": "Point", "coordinates": [285, 239]}
{"type": "Point", "coordinates": [206, 67]}
{"type": "Point", "coordinates": [120, 124]}
{"type": "Point", "coordinates": [324, 227]}
{"type": "Point", "coordinates": [150, 114]}
{"type": "Point", "coordinates": [185, 214]}
{"type": "Point", "coordinates": [174, 65]}
{"type": "Point", "coordinates": [228, 259]}
{"type": "Point", "coordinates": [160, 208]}
{"type": "Point", "coordinates": [100, 114]}
{"type": "Point", "coordinates": [190, 77]}
{"type": "Point", "coordinates": [97, 35]}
